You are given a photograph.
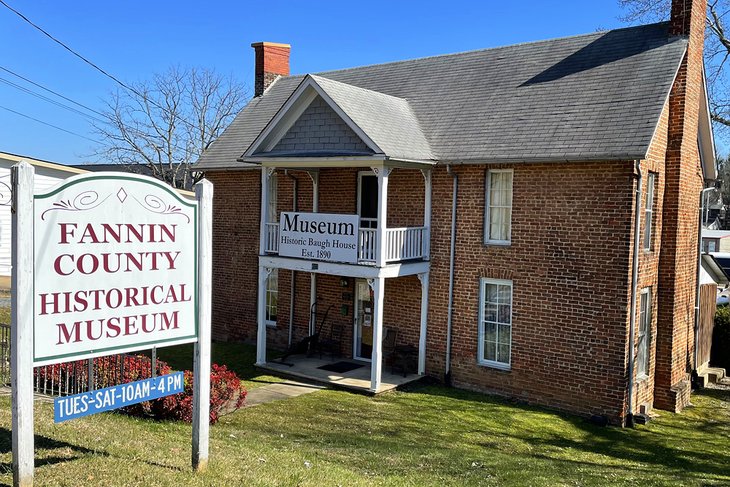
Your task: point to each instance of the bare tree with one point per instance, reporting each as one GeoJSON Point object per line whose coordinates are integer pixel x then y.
{"type": "Point", "coordinates": [717, 50]}
{"type": "Point", "coordinates": [166, 123]}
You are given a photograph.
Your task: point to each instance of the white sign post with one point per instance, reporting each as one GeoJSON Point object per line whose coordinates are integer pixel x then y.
{"type": "Point", "coordinates": [107, 263]}
{"type": "Point", "coordinates": [21, 331]}
{"type": "Point", "coordinates": [319, 236]}
{"type": "Point", "coordinates": [201, 366]}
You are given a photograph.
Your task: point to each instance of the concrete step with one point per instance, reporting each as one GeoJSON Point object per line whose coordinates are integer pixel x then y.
{"type": "Point", "coordinates": [715, 374]}
{"type": "Point", "coordinates": [710, 375]}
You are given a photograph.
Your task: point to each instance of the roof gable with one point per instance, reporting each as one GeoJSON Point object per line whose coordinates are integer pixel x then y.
{"type": "Point", "coordinates": [319, 130]}
{"type": "Point", "coordinates": [364, 122]}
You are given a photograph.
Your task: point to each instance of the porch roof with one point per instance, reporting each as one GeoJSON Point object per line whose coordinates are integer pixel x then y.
{"type": "Point", "coordinates": [386, 124]}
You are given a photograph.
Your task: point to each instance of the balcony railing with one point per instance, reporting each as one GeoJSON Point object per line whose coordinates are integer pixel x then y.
{"type": "Point", "coordinates": [272, 238]}
{"type": "Point", "coordinates": [404, 243]}
{"type": "Point", "coordinates": [367, 244]}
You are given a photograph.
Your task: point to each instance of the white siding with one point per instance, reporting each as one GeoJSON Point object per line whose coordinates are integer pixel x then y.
{"type": "Point", "coordinates": [45, 178]}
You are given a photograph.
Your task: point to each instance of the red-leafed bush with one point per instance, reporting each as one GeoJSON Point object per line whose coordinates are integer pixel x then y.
{"type": "Point", "coordinates": [227, 393]}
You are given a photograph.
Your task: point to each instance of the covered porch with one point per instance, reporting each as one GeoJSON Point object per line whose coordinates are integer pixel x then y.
{"type": "Point", "coordinates": [381, 340]}
{"type": "Point", "coordinates": [357, 379]}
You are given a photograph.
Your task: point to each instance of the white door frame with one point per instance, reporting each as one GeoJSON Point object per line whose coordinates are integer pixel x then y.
{"type": "Point", "coordinates": [360, 175]}
{"type": "Point", "coordinates": [356, 335]}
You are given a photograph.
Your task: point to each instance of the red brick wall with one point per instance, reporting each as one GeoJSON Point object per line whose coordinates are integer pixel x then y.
{"type": "Point", "coordinates": [649, 260]}
{"type": "Point", "coordinates": [569, 263]}
{"type": "Point", "coordinates": [236, 214]}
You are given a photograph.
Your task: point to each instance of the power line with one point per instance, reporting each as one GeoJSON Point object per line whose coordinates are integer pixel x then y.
{"type": "Point", "coordinates": [48, 124]}
{"type": "Point", "coordinates": [50, 90]}
{"type": "Point", "coordinates": [49, 100]}
{"type": "Point", "coordinates": [92, 64]}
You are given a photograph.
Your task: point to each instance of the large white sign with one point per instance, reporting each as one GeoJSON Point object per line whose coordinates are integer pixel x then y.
{"type": "Point", "coordinates": [319, 236]}
{"type": "Point", "coordinates": [115, 259]}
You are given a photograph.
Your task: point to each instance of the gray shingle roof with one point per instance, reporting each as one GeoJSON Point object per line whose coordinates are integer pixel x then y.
{"type": "Point", "coordinates": [591, 97]}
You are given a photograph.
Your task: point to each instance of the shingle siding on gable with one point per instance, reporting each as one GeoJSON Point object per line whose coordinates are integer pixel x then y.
{"type": "Point", "coordinates": [319, 128]}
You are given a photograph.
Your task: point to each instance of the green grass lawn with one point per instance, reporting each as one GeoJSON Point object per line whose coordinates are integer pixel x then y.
{"type": "Point", "coordinates": [237, 357]}
{"type": "Point", "coordinates": [427, 436]}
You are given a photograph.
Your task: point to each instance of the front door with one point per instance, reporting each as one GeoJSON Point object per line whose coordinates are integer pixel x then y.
{"type": "Point", "coordinates": [363, 320]}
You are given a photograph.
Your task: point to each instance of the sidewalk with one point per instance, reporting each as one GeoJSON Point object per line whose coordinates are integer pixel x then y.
{"type": "Point", "coordinates": [279, 391]}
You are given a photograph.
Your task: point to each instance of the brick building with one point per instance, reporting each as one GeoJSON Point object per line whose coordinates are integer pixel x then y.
{"type": "Point", "coordinates": [525, 216]}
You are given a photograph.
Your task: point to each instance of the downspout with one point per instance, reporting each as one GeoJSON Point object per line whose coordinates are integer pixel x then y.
{"type": "Point", "coordinates": [452, 256]}
{"type": "Point", "coordinates": [697, 281]}
{"type": "Point", "coordinates": [634, 289]}
{"type": "Point", "coordinates": [293, 288]}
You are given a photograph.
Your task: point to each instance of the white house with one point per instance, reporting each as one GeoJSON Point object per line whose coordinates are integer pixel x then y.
{"type": "Point", "coordinates": [47, 174]}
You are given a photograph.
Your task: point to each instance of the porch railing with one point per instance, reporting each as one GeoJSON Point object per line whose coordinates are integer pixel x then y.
{"type": "Point", "coordinates": [404, 243]}
{"type": "Point", "coordinates": [272, 238]}
{"type": "Point", "coordinates": [367, 240]}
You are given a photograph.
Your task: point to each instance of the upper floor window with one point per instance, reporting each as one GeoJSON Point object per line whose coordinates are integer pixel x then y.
{"type": "Point", "coordinates": [642, 355]}
{"type": "Point", "coordinates": [495, 323]}
{"type": "Point", "coordinates": [273, 196]}
{"type": "Point", "coordinates": [498, 211]}
{"type": "Point", "coordinates": [272, 282]}
{"type": "Point", "coordinates": [649, 209]}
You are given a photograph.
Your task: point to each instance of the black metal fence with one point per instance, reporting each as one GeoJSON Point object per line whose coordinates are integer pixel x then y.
{"type": "Point", "coordinates": [81, 375]}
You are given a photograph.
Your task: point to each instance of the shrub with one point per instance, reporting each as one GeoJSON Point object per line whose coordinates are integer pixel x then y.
{"type": "Point", "coordinates": [720, 353]}
{"type": "Point", "coordinates": [226, 394]}
{"type": "Point", "coordinates": [226, 391]}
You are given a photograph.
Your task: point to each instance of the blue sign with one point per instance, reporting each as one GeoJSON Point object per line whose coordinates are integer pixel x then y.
{"type": "Point", "coordinates": [78, 405]}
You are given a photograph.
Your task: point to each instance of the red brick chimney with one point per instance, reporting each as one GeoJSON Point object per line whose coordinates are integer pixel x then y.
{"type": "Point", "coordinates": [272, 61]}
{"type": "Point", "coordinates": [683, 182]}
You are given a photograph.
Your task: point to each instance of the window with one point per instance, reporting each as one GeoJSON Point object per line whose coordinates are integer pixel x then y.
{"type": "Point", "coordinates": [495, 323]}
{"type": "Point", "coordinates": [709, 245]}
{"type": "Point", "coordinates": [272, 296]}
{"type": "Point", "coordinates": [498, 211]}
{"type": "Point", "coordinates": [642, 355]}
{"type": "Point", "coordinates": [272, 283]}
{"type": "Point", "coordinates": [649, 209]}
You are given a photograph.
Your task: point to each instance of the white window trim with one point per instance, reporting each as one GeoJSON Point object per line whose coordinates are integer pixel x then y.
{"type": "Point", "coordinates": [649, 212]}
{"type": "Point", "coordinates": [480, 330]}
{"type": "Point", "coordinates": [487, 240]}
{"type": "Point", "coordinates": [644, 374]}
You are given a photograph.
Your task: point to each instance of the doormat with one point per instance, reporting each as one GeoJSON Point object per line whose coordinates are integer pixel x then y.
{"type": "Point", "coordinates": [340, 367]}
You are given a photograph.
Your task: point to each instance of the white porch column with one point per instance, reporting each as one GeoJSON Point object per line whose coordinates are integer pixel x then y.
{"type": "Point", "coordinates": [314, 175]}
{"type": "Point", "coordinates": [266, 173]}
{"type": "Point", "coordinates": [376, 365]}
{"type": "Point", "coordinates": [261, 332]}
{"type": "Point", "coordinates": [381, 251]}
{"type": "Point", "coordinates": [424, 321]}
{"type": "Point", "coordinates": [427, 214]}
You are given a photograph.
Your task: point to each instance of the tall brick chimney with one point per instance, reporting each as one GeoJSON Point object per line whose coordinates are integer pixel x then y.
{"type": "Point", "coordinates": [683, 181]}
{"type": "Point", "coordinates": [272, 61]}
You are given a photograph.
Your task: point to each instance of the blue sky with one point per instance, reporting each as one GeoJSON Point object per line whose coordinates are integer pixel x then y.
{"type": "Point", "coordinates": [133, 39]}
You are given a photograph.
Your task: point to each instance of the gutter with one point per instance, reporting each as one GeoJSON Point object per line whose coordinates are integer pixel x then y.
{"type": "Point", "coordinates": [634, 289]}
{"type": "Point", "coordinates": [452, 257]}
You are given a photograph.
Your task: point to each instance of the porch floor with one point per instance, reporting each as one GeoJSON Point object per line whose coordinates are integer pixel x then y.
{"type": "Point", "coordinates": [356, 380]}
